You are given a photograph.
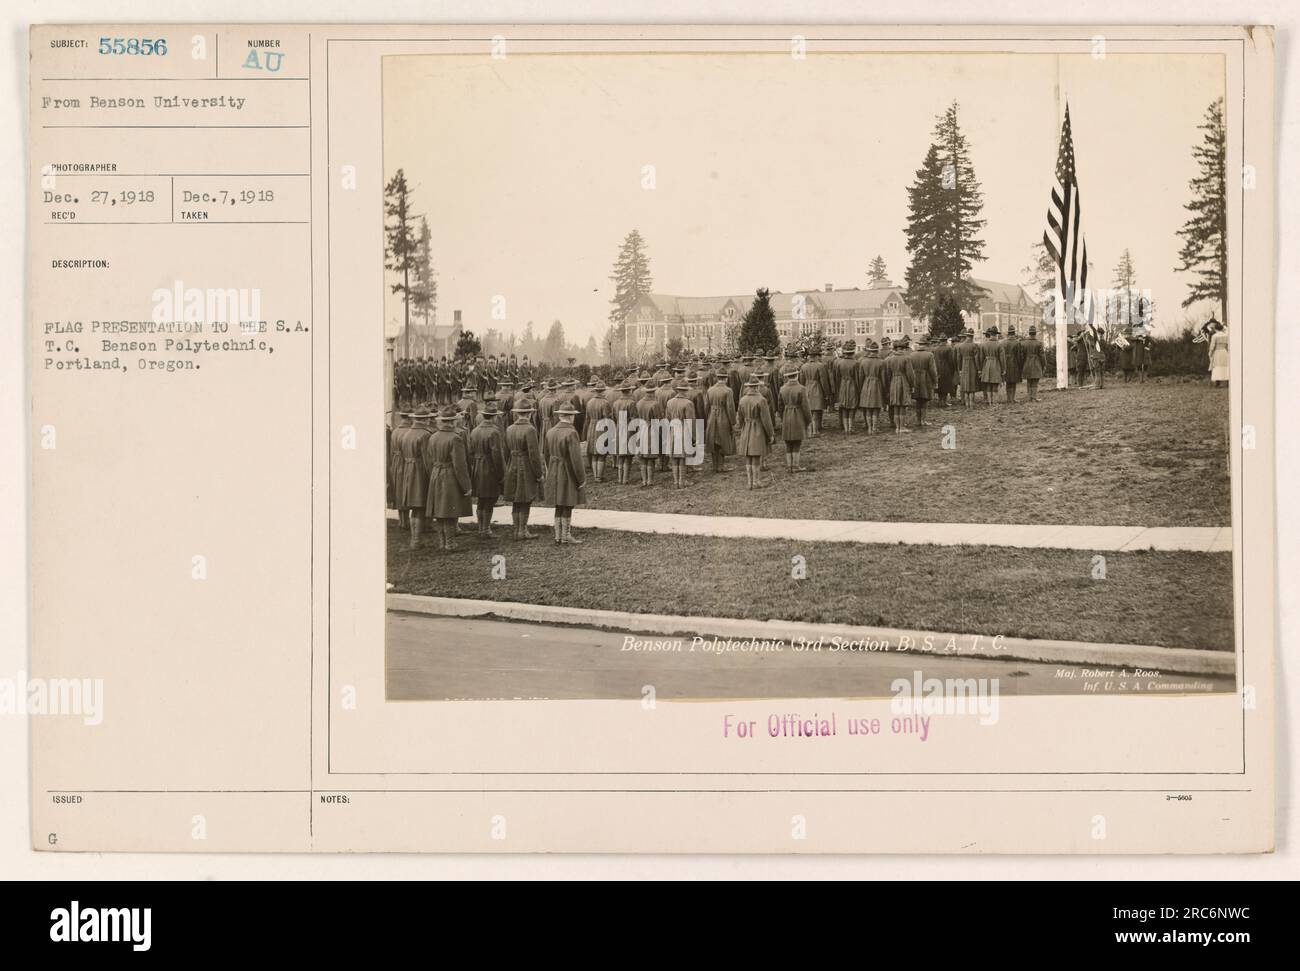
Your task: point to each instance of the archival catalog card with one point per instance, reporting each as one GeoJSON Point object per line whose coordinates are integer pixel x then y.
{"type": "Point", "coordinates": [669, 439]}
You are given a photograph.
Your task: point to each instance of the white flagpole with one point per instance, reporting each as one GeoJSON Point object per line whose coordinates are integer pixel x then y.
{"type": "Point", "coordinates": [1062, 344]}
{"type": "Point", "coordinates": [1062, 323]}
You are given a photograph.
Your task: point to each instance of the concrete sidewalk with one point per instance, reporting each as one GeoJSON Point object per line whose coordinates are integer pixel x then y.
{"type": "Point", "coordinates": [1102, 539]}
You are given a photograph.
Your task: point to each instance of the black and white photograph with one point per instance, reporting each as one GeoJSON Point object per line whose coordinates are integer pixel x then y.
{"type": "Point", "coordinates": [817, 441]}
{"type": "Point", "coordinates": [806, 375]}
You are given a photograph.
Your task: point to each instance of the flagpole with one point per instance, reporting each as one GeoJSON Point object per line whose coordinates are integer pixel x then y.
{"type": "Point", "coordinates": [1062, 326]}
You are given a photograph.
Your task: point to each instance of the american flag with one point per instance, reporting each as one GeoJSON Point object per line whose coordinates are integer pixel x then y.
{"type": "Point", "coordinates": [1063, 236]}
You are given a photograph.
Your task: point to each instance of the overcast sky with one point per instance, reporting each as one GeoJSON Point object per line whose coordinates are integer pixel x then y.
{"type": "Point", "coordinates": [771, 171]}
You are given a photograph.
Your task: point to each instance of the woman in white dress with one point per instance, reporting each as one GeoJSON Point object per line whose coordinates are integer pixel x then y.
{"type": "Point", "coordinates": [1219, 356]}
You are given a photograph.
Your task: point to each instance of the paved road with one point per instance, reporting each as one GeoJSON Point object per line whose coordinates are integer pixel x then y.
{"type": "Point", "coordinates": [438, 658]}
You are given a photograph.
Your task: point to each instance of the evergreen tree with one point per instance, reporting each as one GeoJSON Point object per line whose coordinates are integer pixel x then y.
{"type": "Point", "coordinates": [876, 273]}
{"type": "Point", "coordinates": [1205, 234]}
{"type": "Point", "coordinates": [553, 350]}
{"type": "Point", "coordinates": [1124, 284]}
{"type": "Point", "coordinates": [400, 245]}
{"type": "Point", "coordinates": [944, 223]}
{"type": "Point", "coordinates": [424, 283]}
{"type": "Point", "coordinates": [925, 274]}
{"type": "Point", "coordinates": [467, 345]}
{"type": "Point", "coordinates": [631, 278]}
{"type": "Point", "coordinates": [946, 319]}
{"type": "Point", "coordinates": [758, 329]}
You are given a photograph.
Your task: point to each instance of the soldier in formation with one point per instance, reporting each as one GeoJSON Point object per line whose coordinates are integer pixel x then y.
{"type": "Point", "coordinates": [680, 410]}
{"type": "Point", "coordinates": [844, 385]}
{"type": "Point", "coordinates": [900, 379]}
{"type": "Point", "coordinates": [1010, 359]}
{"type": "Point", "coordinates": [871, 379]}
{"type": "Point", "coordinates": [565, 475]}
{"type": "Point", "coordinates": [448, 485]}
{"type": "Point", "coordinates": [1034, 362]}
{"type": "Point", "coordinates": [969, 366]}
{"type": "Point", "coordinates": [487, 462]}
{"type": "Point", "coordinates": [755, 432]}
{"type": "Point", "coordinates": [945, 360]}
{"type": "Point", "coordinates": [719, 424]}
{"type": "Point", "coordinates": [524, 471]}
{"type": "Point", "coordinates": [813, 376]}
{"type": "Point", "coordinates": [622, 411]}
{"type": "Point", "coordinates": [796, 418]}
{"type": "Point", "coordinates": [925, 377]}
{"type": "Point", "coordinates": [598, 409]}
{"type": "Point", "coordinates": [648, 410]}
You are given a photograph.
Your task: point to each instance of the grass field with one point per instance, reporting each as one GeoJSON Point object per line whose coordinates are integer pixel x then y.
{"type": "Point", "coordinates": [1128, 455]}
{"type": "Point", "coordinates": [1166, 599]}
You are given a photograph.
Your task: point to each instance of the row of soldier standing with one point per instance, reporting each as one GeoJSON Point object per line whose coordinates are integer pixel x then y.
{"type": "Point", "coordinates": [899, 378]}
{"type": "Point", "coordinates": [736, 401]}
{"type": "Point", "coordinates": [441, 380]}
{"type": "Point", "coordinates": [442, 463]}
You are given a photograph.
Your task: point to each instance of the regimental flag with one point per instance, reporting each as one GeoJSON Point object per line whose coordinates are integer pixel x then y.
{"type": "Point", "coordinates": [1063, 236]}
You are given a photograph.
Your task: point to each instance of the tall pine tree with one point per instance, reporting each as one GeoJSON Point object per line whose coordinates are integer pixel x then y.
{"type": "Point", "coordinates": [877, 275]}
{"type": "Point", "coordinates": [1205, 234]}
{"type": "Point", "coordinates": [944, 223]}
{"type": "Point", "coordinates": [631, 278]}
{"type": "Point", "coordinates": [424, 282]}
{"type": "Point", "coordinates": [1125, 283]}
{"type": "Point", "coordinates": [758, 329]}
{"type": "Point", "coordinates": [553, 350]}
{"type": "Point", "coordinates": [400, 245]}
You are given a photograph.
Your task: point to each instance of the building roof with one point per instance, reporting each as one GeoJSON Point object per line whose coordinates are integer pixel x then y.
{"type": "Point", "coordinates": [1011, 293]}
{"type": "Point", "coordinates": [674, 306]}
{"type": "Point", "coordinates": [853, 298]}
{"type": "Point", "coordinates": [822, 302]}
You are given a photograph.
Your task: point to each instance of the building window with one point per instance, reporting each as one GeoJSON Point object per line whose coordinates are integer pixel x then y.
{"type": "Point", "coordinates": [894, 326]}
{"type": "Point", "coordinates": [860, 327]}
